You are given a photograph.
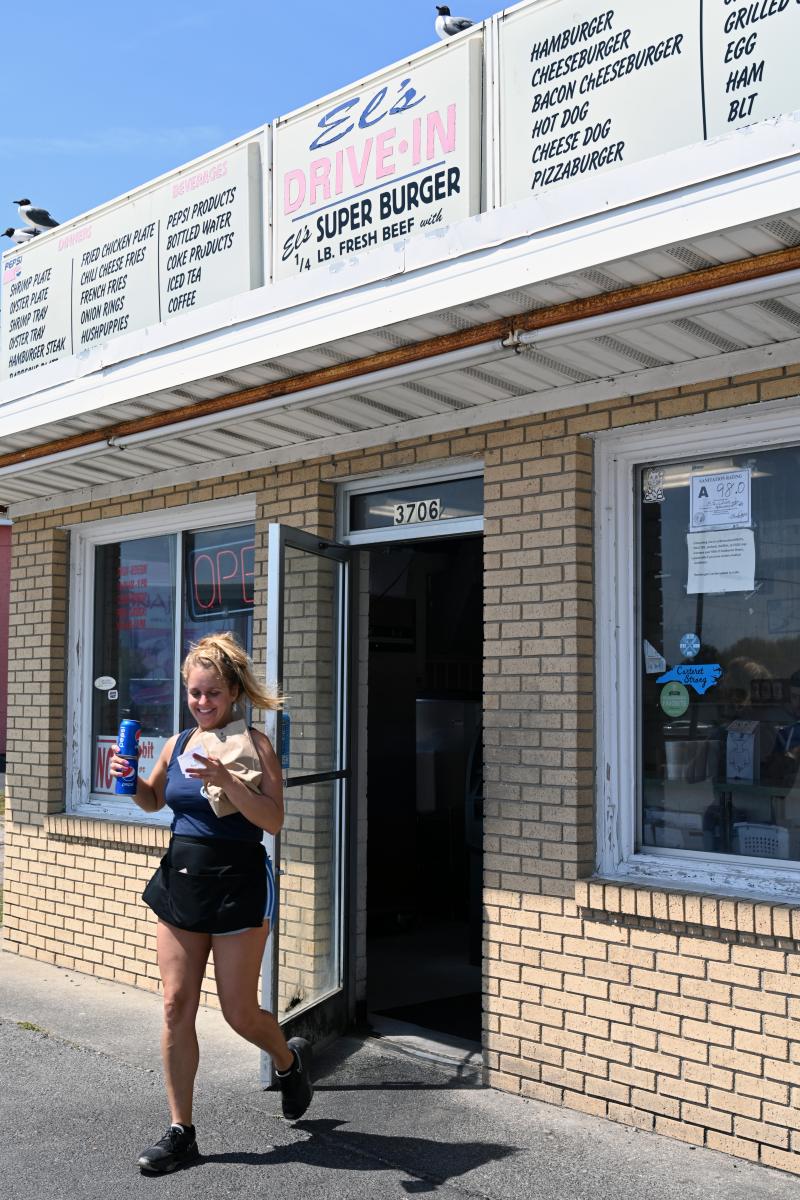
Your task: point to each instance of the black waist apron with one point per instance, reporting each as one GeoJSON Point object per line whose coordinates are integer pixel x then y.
{"type": "Point", "coordinates": [210, 885]}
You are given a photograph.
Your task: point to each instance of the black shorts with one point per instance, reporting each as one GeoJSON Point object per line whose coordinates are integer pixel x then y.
{"type": "Point", "coordinates": [211, 885]}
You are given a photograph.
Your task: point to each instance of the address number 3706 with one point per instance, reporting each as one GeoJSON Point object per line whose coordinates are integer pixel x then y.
{"type": "Point", "coordinates": [414, 512]}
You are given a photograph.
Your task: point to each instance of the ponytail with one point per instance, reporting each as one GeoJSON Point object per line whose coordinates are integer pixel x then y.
{"type": "Point", "coordinates": [223, 653]}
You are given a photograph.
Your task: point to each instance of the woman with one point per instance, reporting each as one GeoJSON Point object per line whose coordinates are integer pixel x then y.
{"type": "Point", "coordinates": [214, 893]}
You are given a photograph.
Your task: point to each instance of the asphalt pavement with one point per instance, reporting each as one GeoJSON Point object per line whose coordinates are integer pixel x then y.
{"type": "Point", "coordinates": [82, 1095]}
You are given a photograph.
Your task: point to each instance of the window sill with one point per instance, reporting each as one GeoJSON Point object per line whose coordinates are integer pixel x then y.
{"type": "Point", "coordinates": [760, 918]}
{"type": "Point", "coordinates": [98, 829]}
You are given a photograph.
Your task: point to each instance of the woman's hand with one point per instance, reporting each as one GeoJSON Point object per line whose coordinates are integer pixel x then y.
{"type": "Point", "coordinates": [149, 794]}
{"type": "Point", "coordinates": [212, 771]}
{"type": "Point", "coordinates": [117, 765]}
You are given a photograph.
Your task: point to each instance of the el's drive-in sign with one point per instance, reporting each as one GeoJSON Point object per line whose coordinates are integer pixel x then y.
{"type": "Point", "coordinates": [388, 159]}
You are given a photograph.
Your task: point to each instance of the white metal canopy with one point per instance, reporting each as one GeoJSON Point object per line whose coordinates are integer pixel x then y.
{"type": "Point", "coordinates": [499, 265]}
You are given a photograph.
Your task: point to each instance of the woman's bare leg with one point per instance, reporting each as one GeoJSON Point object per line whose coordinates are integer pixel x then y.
{"type": "Point", "coordinates": [182, 958]}
{"type": "Point", "coordinates": [237, 967]}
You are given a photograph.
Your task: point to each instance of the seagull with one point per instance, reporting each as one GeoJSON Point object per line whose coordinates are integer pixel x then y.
{"type": "Point", "coordinates": [446, 26]}
{"type": "Point", "coordinates": [38, 218]}
{"type": "Point", "coordinates": [20, 236]}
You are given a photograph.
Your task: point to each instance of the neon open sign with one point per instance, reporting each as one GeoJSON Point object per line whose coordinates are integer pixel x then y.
{"type": "Point", "coordinates": [221, 579]}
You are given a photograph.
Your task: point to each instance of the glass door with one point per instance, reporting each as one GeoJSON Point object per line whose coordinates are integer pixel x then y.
{"type": "Point", "coordinates": [307, 657]}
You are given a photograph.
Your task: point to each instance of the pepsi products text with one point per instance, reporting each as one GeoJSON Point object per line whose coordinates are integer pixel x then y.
{"type": "Point", "coordinates": [128, 743]}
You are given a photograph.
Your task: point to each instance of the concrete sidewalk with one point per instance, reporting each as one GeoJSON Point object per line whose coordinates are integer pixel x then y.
{"type": "Point", "coordinates": [82, 1094]}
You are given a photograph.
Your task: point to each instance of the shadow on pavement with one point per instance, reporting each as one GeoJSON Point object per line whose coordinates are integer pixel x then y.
{"type": "Point", "coordinates": [430, 1162]}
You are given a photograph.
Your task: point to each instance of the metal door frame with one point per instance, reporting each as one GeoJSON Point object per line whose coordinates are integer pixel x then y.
{"type": "Point", "coordinates": [327, 1015]}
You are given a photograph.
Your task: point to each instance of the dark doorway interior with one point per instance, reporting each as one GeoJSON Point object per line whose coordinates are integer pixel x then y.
{"type": "Point", "coordinates": [425, 803]}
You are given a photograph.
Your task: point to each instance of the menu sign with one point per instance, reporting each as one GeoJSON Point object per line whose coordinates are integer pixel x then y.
{"type": "Point", "coordinates": [748, 61]}
{"type": "Point", "coordinates": [192, 241]}
{"type": "Point", "coordinates": [117, 273]}
{"type": "Point", "coordinates": [391, 159]}
{"type": "Point", "coordinates": [36, 325]}
{"type": "Point", "coordinates": [586, 87]}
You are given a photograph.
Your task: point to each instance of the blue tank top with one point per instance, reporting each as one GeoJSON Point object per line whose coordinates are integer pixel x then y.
{"type": "Point", "coordinates": [193, 815]}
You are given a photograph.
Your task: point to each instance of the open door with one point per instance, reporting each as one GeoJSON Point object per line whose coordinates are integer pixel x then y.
{"type": "Point", "coordinates": [307, 656]}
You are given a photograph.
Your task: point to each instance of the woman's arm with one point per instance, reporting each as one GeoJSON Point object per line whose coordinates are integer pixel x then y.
{"type": "Point", "coordinates": [264, 807]}
{"type": "Point", "coordinates": [149, 793]}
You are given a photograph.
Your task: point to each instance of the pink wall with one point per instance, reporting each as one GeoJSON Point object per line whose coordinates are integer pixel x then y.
{"type": "Point", "coordinates": [5, 581]}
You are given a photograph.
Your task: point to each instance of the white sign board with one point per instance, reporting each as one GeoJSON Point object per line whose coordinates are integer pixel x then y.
{"type": "Point", "coordinates": [749, 61]}
{"type": "Point", "coordinates": [193, 240]}
{"type": "Point", "coordinates": [585, 87]}
{"type": "Point", "coordinates": [721, 560]}
{"type": "Point", "coordinates": [384, 160]}
{"type": "Point", "coordinates": [36, 309]}
{"type": "Point", "coordinates": [720, 500]}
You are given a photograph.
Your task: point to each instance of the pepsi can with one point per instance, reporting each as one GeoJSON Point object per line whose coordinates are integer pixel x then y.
{"type": "Point", "coordinates": [128, 742]}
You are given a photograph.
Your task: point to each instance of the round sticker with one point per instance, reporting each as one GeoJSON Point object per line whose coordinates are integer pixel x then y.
{"type": "Point", "coordinates": [690, 645]}
{"type": "Point", "coordinates": [104, 683]}
{"type": "Point", "coordinates": [674, 699]}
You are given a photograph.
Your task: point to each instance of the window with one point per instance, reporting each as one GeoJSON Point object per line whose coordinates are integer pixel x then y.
{"type": "Point", "coordinates": [699, 655]}
{"type": "Point", "coordinates": [142, 591]}
{"type": "Point", "coordinates": [445, 501]}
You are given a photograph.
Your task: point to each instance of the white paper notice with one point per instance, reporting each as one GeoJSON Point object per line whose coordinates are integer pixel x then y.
{"type": "Point", "coordinates": [721, 560]}
{"type": "Point", "coordinates": [720, 500]}
{"type": "Point", "coordinates": [654, 663]}
{"type": "Point", "coordinates": [742, 752]}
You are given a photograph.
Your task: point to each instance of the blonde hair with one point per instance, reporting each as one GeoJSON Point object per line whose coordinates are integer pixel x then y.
{"type": "Point", "coordinates": [223, 653]}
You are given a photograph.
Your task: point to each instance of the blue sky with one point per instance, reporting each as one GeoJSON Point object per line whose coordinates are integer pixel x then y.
{"type": "Point", "coordinates": [97, 98]}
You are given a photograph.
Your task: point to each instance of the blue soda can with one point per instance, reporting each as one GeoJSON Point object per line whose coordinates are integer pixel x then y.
{"type": "Point", "coordinates": [128, 742]}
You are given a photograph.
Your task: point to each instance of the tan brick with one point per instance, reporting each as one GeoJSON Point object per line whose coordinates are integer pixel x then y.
{"type": "Point", "coordinates": [753, 1043]}
{"type": "Point", "coordinates": [682, 1089]}
{"type": "Point", "coordinates": [762, 960]}
{"type": "Point", "coordinates": [758, 1131]}
{"type": "Point", "coordinates": [704, 989]}
{"type": "Point", "coordinates": [713, 1076]}
{"type": "Point", "coordinates": [657, 1062]}
{"type": "Point", "coordinates": [631, 1116]}
{"type": "Point", "coordinates": [747, 977]}
{"type": "Point", "coordinates": [744, 1106]}
{"type": "Point", "coordinates": [761, 1089]}
{"type": "Point", "coordinates": [680, 1130]}
{"type": "Point", "coordinates": [758, 1001]}
{"type": "Point", "coordinates": [779, 1114]}
{"type": "Point", "coordinates": [587, 1104]}
{"type": "Point", "coordinates": [773, 1157]}
{"type": "Point", "coordinates": [737, 1146]}
{"type": "Point", "coordinates": [664, 1106]}
{"type": "Point", "coordinates": [704, 948]}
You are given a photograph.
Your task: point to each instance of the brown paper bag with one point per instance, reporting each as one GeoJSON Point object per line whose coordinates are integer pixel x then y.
{"type": "Point", "coordinates": [233, 747]}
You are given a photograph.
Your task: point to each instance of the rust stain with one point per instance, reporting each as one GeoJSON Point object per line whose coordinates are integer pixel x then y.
{"type": "Point", "coordinates": [757, 267]}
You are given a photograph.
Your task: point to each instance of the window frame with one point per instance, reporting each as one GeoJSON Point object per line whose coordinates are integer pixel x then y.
{"type": "Point", "coordinates": [386, 481]}
{"type": "Point", "coordinates": [619, 453]}
{"type": "Point", "coordinates": [80, 645]}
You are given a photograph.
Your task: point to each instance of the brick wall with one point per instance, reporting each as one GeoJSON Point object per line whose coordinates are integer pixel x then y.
{"type": "Point", "coordinates": [5, 591]}
{"type": "Point", "coordinates": [36, 676]}
{"type": "Point", "coordinates": [668, 1012]}
{"type": "Point", "coordinates": [308, 908]}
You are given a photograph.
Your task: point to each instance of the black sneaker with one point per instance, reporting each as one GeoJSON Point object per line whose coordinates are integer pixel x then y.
{"type": "Point", "coordinates": [296, 1087]}
{"type": "Point", "coordinates": [177, 1148]}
